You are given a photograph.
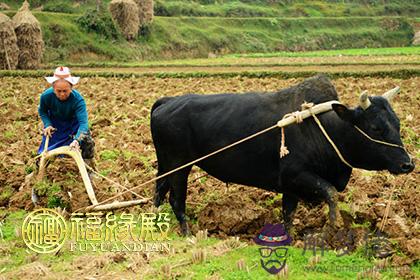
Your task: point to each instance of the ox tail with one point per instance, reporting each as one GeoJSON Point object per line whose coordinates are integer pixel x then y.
{"type": "Point", "coordinates": [162, 185]}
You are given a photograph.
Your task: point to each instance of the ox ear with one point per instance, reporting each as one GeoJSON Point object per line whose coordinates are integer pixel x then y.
{"type": "Point", "coordinates": [344, 113]}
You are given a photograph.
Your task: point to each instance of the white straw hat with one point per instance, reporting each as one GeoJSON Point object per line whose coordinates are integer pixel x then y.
{"type": "Point", "coordinates": [63, 73]}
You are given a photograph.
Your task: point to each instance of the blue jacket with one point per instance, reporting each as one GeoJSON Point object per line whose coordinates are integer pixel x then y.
{"type": "Point", "coordinates": [74, 108]}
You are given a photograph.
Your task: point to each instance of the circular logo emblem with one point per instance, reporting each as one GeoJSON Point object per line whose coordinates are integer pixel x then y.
{"type": "Point", "coordinates": [44, 231]}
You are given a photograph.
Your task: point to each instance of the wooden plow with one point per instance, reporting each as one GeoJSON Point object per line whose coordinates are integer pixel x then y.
{"type": "Point", "coordinates": [66, 150]}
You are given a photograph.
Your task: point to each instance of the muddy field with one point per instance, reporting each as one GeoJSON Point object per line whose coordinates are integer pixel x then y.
{"type": "Point", "coordinates": [119, 117]}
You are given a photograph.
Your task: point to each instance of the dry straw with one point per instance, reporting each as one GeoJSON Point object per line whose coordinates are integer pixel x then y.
{"type": "Point", "coordinates": [145, 11]}
{"type": "Point", "coordinates": [125, 14]}
{"type": "Point", "coordinates": [4, 6]}
{"type": "Point", "coordinates": [29, 38]}
{"type": "Point", "coordinates": [9, 51]}
{"type": "Point", "coordinates": [416, 39]}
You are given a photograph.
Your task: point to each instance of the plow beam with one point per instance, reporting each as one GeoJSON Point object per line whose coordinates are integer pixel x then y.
{"type": "Point", "coordinates": [115, 205]}
{"type": "Point", "coordinates": [80, 164]}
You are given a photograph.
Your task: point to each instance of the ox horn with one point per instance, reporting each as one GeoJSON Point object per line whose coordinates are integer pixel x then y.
{"type": "Point", "coordinates": [364, 100]}
{"type": "Point", "coordinates": [389, 95]}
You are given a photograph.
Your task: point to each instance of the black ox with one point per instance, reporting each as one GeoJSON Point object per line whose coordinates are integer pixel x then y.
{"type": "Point", "coordinates": [188, 127]}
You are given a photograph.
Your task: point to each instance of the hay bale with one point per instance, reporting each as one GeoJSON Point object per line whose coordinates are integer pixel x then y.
{"type": "Point", "coordinates": [4, 6]}
{"type": "Point", "coordinates": [416, 39]}
{"type": "Point", "coordinates": [29, 38]}
{"type": "Point", "coordinates": [145, 11]}
{"type": "Point", "coordinates": [8, 44]}
{"type": "Point", "coordinates": [125, 14]}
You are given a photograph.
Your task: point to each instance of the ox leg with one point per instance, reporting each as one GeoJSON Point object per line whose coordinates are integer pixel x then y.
{"type": "Point", "coordinates": [318, 187]}
{"type": "Point", "coordinates": [289, 204]}
{"type": "Point", "coordinates": [162, 185]}
{"type": "Point", "coordinates": [178, 196]}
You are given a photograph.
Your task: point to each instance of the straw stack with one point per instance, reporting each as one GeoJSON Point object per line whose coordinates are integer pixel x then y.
{"type": "Point", "coordinates": [125, 14]}
{"type": "Point", "coordinates": [29, 38]}
{"type": "Point", "coordinates": [145, 11]}
{"type": "Point", "coordinates": [8, 44]}
{"type": "Point", "coordinates": [416, 39]}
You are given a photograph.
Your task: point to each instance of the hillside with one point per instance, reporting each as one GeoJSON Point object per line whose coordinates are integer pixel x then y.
{"type": "Point", "coordinates": [175, 37]}
{"type": "Point", "coordinates": [77, 33]}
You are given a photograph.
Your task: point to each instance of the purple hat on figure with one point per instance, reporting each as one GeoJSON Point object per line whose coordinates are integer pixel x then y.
{"type": "Point", "coordinates": [273, 235]}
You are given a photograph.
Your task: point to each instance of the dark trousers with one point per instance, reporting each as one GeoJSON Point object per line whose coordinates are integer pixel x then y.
{"type": "Point", "coordinates": [87, 146]}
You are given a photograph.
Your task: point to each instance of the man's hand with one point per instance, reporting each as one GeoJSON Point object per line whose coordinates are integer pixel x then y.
{"type": "Point", "coordinates": [48, 131]}
{"type": "Point", "coordinates": [75, 145]}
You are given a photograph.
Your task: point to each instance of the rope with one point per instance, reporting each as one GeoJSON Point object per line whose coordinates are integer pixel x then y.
{"type": "Point", "coordinates": [358, 129]}
{"type": "Point", "coordinates": [113, 182]}
{"type": "Point", "coordinates": [186, 165]}
{"type": "Point", "coordinates": [337, 151]}
{"type": "Point", "coordinates": [378, 141]}
{"type": "Point", "coordinates": [299, 119]}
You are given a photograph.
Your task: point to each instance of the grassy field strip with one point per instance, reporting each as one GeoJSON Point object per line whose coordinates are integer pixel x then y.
{"type": "Point", "coordinates": [348, 52]}
{"type": "Point", "coordinates": [402, 73]}
{"type": "Point", "coordinates": [217, 69]}
{"type": "Point", "coordinates": [232, 64]}
{"type": "Point", "coordinates": [227, 61]}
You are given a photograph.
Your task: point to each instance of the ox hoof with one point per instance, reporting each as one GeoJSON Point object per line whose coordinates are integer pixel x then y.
{"type": "Point", "coordinates": [185, 231]}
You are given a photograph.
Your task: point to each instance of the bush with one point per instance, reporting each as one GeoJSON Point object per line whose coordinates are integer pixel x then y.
{"type": "Point", "coordinates": [100, 23]}
{"type": "Point", "coordinates": [35, 3]}
{"type": "Point", "coordinates": [160, 9]}
{"type": "Point", "coordinates": [59, 7]}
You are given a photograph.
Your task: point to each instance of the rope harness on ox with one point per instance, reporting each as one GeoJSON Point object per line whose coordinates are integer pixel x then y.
{"type": "Point", "coordinates": [308, 110]}
{"type": "Point", "coordinates": [299, 119]}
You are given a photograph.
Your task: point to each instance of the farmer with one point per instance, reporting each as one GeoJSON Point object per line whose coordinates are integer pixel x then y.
{"type": "Point", "coordinates": [63, 113]}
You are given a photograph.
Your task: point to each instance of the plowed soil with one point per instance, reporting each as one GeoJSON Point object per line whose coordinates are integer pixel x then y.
{"type": "Point", "coordinates": [119, 112]}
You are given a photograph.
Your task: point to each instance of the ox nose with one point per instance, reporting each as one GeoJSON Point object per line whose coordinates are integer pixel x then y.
{"type": "Point", "coordinates": [407, 167]}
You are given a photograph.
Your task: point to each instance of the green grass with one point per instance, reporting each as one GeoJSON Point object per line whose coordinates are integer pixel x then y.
{"type": "Point", "coordinates": [109, 154]}
{"type": "Point", "coordinates": [52, 192]}
{"type": "Point", "coordinates": [222, 264]}
{"type": "Point", "coordinates": [6, 194]}
{"type": "Point", "coordinates": [246, 8]}
{"type": "Point", "coordinates": [234, 8]}
{"type": "Point", "coordinates": [414, 50]}
{"type": "Point", "coordinates": [9, 134]}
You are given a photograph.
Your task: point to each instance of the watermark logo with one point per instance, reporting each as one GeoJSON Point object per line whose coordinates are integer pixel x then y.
{"type": "Point", "coordinates": [44, 231]}
{"type": "Point", "coordinates": [375, 245]}
{"type": "Point", "coordinates": [272, 239]}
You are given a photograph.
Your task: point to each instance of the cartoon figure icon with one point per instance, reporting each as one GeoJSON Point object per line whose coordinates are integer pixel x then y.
{"type": "Point", "coordinates": [378, 246]}
{"type": "Point", "coordinates": [272, 238]}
